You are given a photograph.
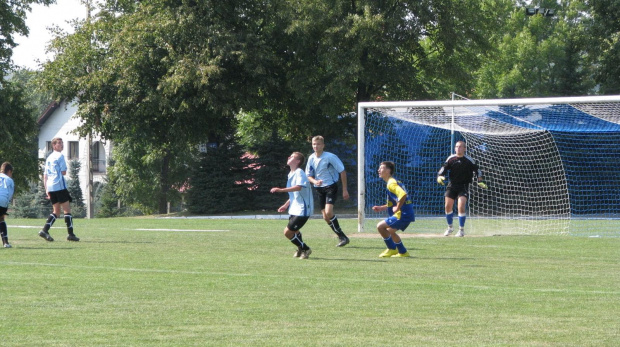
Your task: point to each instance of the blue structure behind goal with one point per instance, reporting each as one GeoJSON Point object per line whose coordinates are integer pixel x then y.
{"type": "Point", "coordinates": [547, 162]}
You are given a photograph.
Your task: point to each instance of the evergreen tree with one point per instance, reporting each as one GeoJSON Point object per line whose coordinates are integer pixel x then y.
{"type": "Point", "coordinates": [271, 172]}
{"type": "Point", "coordinates": [25, 203]}
{"type": "Point", "coordinates": [73, 186]}
{"type": "Point", "coordinates": [43, 204]}
{"type": "Point", "coordinates": [220, 182]}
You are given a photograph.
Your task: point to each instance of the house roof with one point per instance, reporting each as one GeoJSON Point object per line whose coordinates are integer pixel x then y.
{"type": "Point", "coordinates": [48, 112]}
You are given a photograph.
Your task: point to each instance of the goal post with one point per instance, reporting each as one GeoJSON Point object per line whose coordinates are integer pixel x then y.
{"type": "Point", "coordinates": [550, 163]}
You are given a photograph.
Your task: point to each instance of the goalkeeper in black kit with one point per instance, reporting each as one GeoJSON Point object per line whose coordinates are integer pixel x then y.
{"type": "Point", "coordinates": [462, 170]}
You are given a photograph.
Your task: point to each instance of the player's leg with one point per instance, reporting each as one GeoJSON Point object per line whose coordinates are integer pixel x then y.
{"type": "Point", "coordinates": [66, 208]}
{"type": "Point", "coordinates": [394, 225]}
{"type": "Point", "coordinates": [382, 228]}
{"type": "Point", "coordinates": [449, 208]}
{"type": "Point", "coordinates": [4, 232]}
{"type": "Point", "coordinates": [462, 208]}
{"type": "Point", "coordinates": [331, 194]}
{"type": "Point", "coordinates": [294, 235]}
{"type": "Point", "coordinates": [51, 219]}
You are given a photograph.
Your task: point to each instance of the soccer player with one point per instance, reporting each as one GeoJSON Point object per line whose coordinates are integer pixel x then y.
{"type": "Point", "coordinates": [463, 169]}
{"type": "Point", "coordinates": [323, 169]}
{"type": "Point", "coordinates": [300, 203]}
{"type": "Point", "coordinates": [7, 188]}
{"type": "Point", "coordinates": [400, 211]}
{"type": "Point", "coordinates": [56, 188]}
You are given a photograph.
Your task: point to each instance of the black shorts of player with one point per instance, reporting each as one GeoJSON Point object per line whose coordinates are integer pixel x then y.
{"type": "Point", "coordinates": [296, 222]}
{"type": "Point", "coordinates": [457, 190]}
{"type": "Point", "coordinates": [60, 196]}
{"type": "Point", "coordinates": [327, 195]}
{"type": "Point", "coordinates": [3, 211]}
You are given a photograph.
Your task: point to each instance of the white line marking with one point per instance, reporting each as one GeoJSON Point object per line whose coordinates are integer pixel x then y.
{"type": "Point", "coordinates": [209, 230]}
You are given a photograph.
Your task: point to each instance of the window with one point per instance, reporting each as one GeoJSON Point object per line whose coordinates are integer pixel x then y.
{"type": "Point", "coordinates": [74, 150]}
{"type": "Point", "coordinates": [48, 148]}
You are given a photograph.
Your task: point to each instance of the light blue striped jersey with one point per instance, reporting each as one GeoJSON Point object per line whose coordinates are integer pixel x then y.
{"type": "Point", "coordinates": [301, 202]}
{"type": "Point", "coordinates": [54, 166]}
{"type": "Point", "coordinates": [327, 167]}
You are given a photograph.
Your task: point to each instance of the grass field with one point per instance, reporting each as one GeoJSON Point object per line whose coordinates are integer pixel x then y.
{"type": "Point", "coordinates": [197, 282]}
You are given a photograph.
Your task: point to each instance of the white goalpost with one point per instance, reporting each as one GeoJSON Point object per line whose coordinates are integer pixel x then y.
{"type": "Point", "coordinates": [550, 163]}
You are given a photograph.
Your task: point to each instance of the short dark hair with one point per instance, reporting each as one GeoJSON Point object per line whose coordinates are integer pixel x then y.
{"type": "Point", "coordinates": [390, 165]}
{"type": "Point", "coordinates": [6, 167]}
{"type": "Point", "coordinates": [301, 157]}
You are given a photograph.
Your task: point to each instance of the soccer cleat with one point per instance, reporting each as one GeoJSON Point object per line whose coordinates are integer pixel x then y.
{"type": "Point", "coordinates": [305, 254]}
{"type": "Point", "coordinates": [7, 245]}
{"type": "Point", "coordinates": [46, 236]}
{"type": "Point", "coordinates": [448, 232]}
{"type": "Point", "coordinates": [401, 255]}
{"type": "Point", "coordinates": [343, 242]}
{"type": "Point", "coordinates": [72, 237]}
{"type": "Point", "coordinates": [298, 253]}
{"type": "Point", "coordinates": [460, 233]}
{"type": "Point", "coordinates": [388, 253]}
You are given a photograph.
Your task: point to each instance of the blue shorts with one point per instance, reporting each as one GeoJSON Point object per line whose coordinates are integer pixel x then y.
{"type": "Point", "coordinates": [397, 224]}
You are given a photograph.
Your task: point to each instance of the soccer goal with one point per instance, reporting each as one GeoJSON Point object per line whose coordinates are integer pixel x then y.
{"type": "Point", "coordinates": [552, 165]}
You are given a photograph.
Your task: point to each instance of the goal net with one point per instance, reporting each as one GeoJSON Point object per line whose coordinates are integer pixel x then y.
{"type": "Point", "coordinates": [551, 164]}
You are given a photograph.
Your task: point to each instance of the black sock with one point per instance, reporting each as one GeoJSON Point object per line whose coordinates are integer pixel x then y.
{"type": "Point", "coordinates": [69, 222]}
{"type": "Point", "coordinates": [4, 232]}
{"type": "Point", "coordinates": [336, 227]}
{"type": "Point", "coordinates": [297, 242]}
{"type": "Point", "coordinates": [50, 221]}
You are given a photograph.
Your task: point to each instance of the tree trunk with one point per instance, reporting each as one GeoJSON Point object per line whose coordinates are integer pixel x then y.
{"type": "Point", "coordinates": [164, 186]}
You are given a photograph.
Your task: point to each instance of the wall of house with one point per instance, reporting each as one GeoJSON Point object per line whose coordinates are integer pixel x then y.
{"type": "Point", "coordinates": [61, 123]}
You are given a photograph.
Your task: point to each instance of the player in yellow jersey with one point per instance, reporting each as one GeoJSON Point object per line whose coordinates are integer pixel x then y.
{"type": "Point", "coordinates": [400, 210]}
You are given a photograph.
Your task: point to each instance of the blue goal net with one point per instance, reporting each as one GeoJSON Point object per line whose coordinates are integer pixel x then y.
{"type": "Point", "coordinates": [550, 164]}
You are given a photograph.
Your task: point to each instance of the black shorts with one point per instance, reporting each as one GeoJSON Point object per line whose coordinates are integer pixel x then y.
{"type": "Point", "coordinates": [327, 195]}
{"type": "Point", "coordinates": [60, 196]}
{"type": "Point", "coordinates": [455, 191]}
{"type": "Point", "coordinates": [3, 211]}
{"type": "Point", "coordinates": [296, 222]}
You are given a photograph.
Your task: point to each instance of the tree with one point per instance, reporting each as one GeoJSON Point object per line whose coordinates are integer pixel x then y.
{"type": "Point", "coordinates": [75, 190]}
{"type": "Point", "coordinates": [538, 56]}
{"type": "Point", "coordinates": [605, 34]}
{"type": "Point", "coordinates": [220, 182]}
{"type": "Point", "coordinates": [18, 130]}
{"type": "Point", "coordinates": [159, 76]}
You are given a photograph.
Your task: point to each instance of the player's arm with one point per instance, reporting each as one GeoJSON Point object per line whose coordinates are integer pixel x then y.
{"type": "Point", "coordinates": [345, 191]}
{"type": "Point", "coordinates": [379, 208]}
{"type": "Point", "coordinates": [285, 190]}
{"type": "Point", "coordinates": [441, 174]}
{"type": "Point", "coordinates": [285, 206]}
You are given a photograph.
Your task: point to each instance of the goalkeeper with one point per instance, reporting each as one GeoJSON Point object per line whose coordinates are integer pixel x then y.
{"type": "Point", "coordinates": [462, 170]}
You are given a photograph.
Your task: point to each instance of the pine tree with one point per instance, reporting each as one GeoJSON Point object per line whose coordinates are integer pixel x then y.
{"type": "Point", "coordinates": [220, 181]}
{"type": "Point", "coordinates": [79, 209]}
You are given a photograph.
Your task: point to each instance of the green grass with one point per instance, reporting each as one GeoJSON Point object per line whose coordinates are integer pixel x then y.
{"type": "Point", "coordinates": [240, 285]}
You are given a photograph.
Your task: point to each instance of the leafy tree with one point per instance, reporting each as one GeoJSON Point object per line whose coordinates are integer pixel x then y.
{"type": "Point", "coordinates": [36, 97]}
{"type": "Point", "coordinates": [538, 56]}
{"type": "Point", "coordinates": [18, 133]}
{"type": "Point", "coordinates": [605, 34]}
{"type": "Point", "coordinates": [158, 76]}
{"type": "Point", "coordinates": [18, 130]}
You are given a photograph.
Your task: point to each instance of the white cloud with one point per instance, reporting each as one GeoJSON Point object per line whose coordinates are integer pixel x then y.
{"type": "Point", "coordinates": [32, 48]}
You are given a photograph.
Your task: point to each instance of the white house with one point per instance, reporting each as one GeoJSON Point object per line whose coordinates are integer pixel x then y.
{"type": "Point", "coordinates": [59, 120]}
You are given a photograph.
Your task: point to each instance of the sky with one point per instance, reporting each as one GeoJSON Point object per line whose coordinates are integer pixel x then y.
{"type": "Point", "coordinates": [32, 47]}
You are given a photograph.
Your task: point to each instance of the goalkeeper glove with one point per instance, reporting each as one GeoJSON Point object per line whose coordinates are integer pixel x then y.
{"type": "Point", "coordinates": [440, 179]}
{"type": "Point", "coordinates": [482, 185]}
